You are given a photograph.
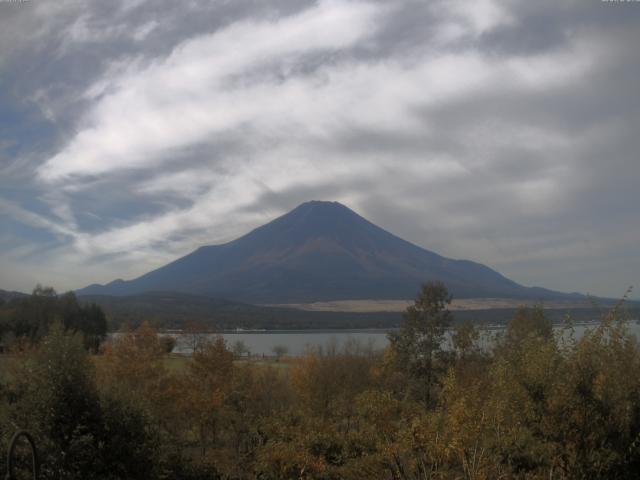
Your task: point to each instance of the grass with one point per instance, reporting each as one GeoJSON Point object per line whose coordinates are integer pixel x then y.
{"type": "Point", "coordinates": [179, 363]}
{"type": "Point", "coordinates": [174, 363]}
{"type": "Point", "coordinates": [5, 361]}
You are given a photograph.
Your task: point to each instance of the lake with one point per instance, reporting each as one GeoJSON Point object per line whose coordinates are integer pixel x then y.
{"type": "Point", "coordinates": [295, 341]}
{"type": "Point", "coordinates": [298, 341]}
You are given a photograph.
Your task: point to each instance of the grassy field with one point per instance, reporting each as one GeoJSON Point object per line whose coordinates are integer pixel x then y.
{"type": "Point", "coordinates": [174, 363]}
{"type": "Point", "coordinates": [370, 306]}
{"type": "Point", "coordinates": [5, 360]}
{"type": "Point", "coordinates": [178, 363]}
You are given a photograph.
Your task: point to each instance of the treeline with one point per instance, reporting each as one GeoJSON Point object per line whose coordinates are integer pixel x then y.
{"type": "Point", "coordinates": [537, 405]}
{"type": "Point", "coordinates": [29, 317]}
{"type": "Point", "coordinates": [171, 310]}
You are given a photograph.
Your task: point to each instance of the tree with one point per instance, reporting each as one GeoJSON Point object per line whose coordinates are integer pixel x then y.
{"type": "Point", "coordinates": [529, 322]}
{"type": "Point", "coordinates": [327, 381]}
{"type": "Point", "coordinates": [195, 335]}
{"type": "Point", "coordinates": [61, 406]}
{"type": "Point", "coordinates": [418, 344]}
{"type": "Point", "coordinates": [94, 327]}
{"type": "Point", "coordinates": [240, 348]}
{"type": "Point", "coordinates": [130, 448]}
{"type": "Point", "coordinates": [210, 378]}
{"type": "Point", "coordinates": [464, 337]}
{"type": "Point", "coordinates": [168, 343]}
{"type": "Point", "coordinates": [53, 394]}
{"type": "Point", "coordinates": [280, 351]}
{"type": "Point", "coordinates": [30, 317]}
{"type": "Point", "coordinates": [132, 369]}
{"type": "Point", "coordinates": [33, 315]}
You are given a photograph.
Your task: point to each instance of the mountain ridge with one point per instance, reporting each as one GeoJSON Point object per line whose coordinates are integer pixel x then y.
{"type": "Point", "coordinates": [6, 295]}
{"type": "Point", "coordinates": [319, 251]}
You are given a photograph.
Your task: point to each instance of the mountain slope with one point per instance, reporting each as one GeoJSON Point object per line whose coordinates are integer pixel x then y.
{"type": "Point", "coordinates": [6, 295]}
{"type": "Point", "coordinates": [319, 251]}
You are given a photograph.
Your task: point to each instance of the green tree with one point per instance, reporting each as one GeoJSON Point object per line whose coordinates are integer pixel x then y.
{"type": "Point", "coordinates": [59, 403]}
{"type": "Point", "coordinates": [94, 326]}
{"type": "Point", "coordinates": [31, 317]}
{"type": "Point", "coordinates": [418, 344]}
{"type": "Point", "coordinates": [130, 448]}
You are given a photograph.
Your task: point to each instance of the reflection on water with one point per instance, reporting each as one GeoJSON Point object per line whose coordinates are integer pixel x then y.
{"type": "Point", "coordinates": [297, 342]}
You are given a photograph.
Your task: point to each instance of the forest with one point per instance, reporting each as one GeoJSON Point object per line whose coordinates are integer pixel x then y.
{"type": "Point", "coordinates": [539, 403]}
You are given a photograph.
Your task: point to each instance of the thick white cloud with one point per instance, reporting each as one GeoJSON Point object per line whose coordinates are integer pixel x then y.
{"type": "Point", "coordinates": [149, 114]}
{"type": "Point", "coordinates": [212, 85]}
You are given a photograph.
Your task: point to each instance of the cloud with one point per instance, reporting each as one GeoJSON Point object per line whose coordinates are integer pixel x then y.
{"type": "Point", "coordinates": [181, 100]}
{"type": "Point", "coordinates": [30, 218]}
{"type": "Point", "coordinates": [501, 131]}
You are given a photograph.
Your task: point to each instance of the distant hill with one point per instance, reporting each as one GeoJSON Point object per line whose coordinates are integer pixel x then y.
{"type": "Point", "coordinates": [320, 251]}
{"type": "Point", "coordinates": [173, 310]}
{"type": "Point", "coordinates": [10, 295]}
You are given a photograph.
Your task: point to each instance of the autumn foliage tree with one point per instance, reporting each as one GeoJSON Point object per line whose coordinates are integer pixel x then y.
{"type": "Point", "coordinates": [535, 402]}
{"type": "Point", "coordinates": [209, 384]}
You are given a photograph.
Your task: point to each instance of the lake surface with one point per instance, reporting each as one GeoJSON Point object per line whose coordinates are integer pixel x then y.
{"type": "Point", "coordinates": [296, 342]}
{"type": "Point", "coordinates": [299, 341]}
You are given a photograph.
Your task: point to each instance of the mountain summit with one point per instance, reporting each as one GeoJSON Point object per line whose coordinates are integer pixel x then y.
{"type": "Point", "coordinates": [319, 251]}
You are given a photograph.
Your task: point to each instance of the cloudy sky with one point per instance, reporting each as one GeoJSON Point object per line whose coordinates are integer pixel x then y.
{"type": "Point", "coordinates": [506, 132]}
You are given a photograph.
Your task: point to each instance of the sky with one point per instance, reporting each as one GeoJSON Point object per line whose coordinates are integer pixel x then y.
{"type": "Point", "coordinates": [505, 132]}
